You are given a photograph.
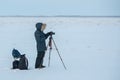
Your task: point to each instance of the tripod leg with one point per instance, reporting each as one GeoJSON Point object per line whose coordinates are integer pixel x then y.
{"type": "Point", "coordinates": [49, 57]}
{"type": "Point", "coordinates": [47, 45]}
{"type": "Point", "coordinates": [59, 54]}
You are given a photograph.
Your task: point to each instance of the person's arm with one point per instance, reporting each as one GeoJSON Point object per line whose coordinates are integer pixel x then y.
{"type": "Point", "coordinates": [47, 35]}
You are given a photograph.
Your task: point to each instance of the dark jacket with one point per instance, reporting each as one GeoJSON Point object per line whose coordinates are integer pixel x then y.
{"type": "Point", "coordinates": [40, 37]}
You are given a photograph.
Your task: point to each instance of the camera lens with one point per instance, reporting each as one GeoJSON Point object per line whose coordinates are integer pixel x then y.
{"type": "Point", "coordinates": [53, 33]}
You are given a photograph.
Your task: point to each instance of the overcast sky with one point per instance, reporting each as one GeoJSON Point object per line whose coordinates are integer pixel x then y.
{"type": "Point", "coordinates": [60, 7]}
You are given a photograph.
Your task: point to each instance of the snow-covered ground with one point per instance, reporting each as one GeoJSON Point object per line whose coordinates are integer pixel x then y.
{"type": "Point", "coordinates": [90, 48]}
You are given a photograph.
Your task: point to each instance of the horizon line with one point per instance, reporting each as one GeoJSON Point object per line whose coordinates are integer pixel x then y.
{"type": "Point", "coordinates": [53, 16]}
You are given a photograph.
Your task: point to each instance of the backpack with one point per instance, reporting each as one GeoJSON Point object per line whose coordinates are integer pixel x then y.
{"type": "Point", "coordinates": [15, 64]}
{"type": "Point", "coordinates": [15, 53]}
{"type": "Point", "coordinates": [23, 62]}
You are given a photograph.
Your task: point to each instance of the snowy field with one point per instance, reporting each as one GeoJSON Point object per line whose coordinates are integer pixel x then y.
{"type": "Point", "coordinates": [90, 48]}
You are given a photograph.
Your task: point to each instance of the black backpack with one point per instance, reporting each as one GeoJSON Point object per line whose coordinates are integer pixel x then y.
{"type": "Point", "coordinates": [15, 64]}
{"type": "Point", "coordinates": [23, 63]}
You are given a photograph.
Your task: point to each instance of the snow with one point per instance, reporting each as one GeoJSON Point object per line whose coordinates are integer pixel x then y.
{"type": "Point", "coordinates": [89, 47]}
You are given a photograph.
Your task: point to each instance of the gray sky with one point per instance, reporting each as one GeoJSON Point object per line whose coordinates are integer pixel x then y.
{"type": "Point", "coordinates": [60, 7]}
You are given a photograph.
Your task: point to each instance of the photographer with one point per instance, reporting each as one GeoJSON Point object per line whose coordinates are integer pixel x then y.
{"type": "Point", "coordinates": [40, 37]}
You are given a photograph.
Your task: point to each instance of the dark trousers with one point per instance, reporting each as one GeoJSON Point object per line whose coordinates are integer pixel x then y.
{"type": "Point", "coordinates": [39, 59]}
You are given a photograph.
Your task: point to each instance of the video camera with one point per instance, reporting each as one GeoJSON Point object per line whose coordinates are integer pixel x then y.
{"type": "Point", "coordinates": [52, 33]}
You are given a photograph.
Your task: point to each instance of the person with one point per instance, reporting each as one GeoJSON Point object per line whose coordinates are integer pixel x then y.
{"type": "Point", "coordinates": [40, 38]}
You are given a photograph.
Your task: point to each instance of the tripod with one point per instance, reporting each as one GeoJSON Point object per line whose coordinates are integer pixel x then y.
{"type": "Point", "coordinates": [50, 50]}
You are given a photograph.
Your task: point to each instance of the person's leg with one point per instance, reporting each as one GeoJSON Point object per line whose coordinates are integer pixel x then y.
{"type": "Point", "coordinates": [42, 59]}
{"type": "Point", "coordinates": [39, 59]}
{"type": "Point", "coordinates": [37, 63]}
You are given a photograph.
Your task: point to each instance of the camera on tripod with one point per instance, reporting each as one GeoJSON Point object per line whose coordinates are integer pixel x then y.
{"type": "Point", "coordinates": [52, 33]}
